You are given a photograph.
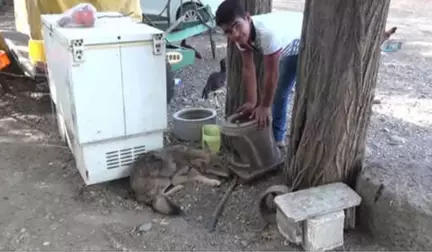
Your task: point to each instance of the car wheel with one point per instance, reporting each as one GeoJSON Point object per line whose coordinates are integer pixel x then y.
{"type": "Point", "coordinates": [191, 13]}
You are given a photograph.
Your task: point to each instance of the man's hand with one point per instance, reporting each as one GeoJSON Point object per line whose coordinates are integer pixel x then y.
{"type": "Point", "coordinates": [246, 108]}
{"type": "Point", "coordinates": [262, 116]}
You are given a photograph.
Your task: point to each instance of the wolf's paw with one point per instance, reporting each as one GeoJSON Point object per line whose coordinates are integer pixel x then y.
{"type": "Point", "coordinates": [214, 182]}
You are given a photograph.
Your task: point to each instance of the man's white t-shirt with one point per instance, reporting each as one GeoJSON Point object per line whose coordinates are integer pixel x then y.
{"type": "Point", "coordinates": [277, 30]}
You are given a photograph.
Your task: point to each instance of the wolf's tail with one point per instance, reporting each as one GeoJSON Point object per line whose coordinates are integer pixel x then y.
{"type": "Point", "coordinates": [390, 32]}
{"type": "Point", "coordinates": [164, 205]}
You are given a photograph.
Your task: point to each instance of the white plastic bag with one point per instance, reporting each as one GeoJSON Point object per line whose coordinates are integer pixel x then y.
{"type": "Point", "coordinates": [81, 15]}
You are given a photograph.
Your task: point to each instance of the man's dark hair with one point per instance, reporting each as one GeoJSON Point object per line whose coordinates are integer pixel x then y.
{"type": "Point", "coordinates": [228, 11]}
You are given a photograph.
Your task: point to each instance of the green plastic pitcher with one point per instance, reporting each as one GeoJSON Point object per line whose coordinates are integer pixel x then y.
{"type": "Point", "coordinates": [211, 137]}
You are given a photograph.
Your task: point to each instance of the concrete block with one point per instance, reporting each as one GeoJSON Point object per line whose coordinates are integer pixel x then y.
{"type": "Point", "coordinates": [315, 217]}
{"type": "Point", "coordinates": [324, 232]}
{"type": "Point", "coordinates": [292, 231]}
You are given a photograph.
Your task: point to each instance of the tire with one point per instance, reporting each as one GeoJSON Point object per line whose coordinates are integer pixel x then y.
{"type": "Point", "coordinates": [170, 82]}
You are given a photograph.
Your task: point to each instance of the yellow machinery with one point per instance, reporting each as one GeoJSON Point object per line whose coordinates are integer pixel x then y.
{"type": "Point", "coordinates": [28, 22]}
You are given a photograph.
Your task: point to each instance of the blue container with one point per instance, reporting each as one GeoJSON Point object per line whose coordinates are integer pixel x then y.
{"type": "Point", "coordinates": [391, 46]}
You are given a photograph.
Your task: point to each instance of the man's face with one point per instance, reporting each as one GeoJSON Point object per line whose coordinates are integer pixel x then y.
{"type": "Point", "coordinates": [239, 30]}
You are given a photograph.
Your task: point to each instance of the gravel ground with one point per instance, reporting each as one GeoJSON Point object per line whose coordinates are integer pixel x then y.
{"type": "Point", "coordinates": [45, 205]}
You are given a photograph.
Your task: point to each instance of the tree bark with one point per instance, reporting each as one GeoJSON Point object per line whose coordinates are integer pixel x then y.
{"type": "Point", "coordinates": [338, 66]}
{"type": "Point", "coordinates": [235, 91]}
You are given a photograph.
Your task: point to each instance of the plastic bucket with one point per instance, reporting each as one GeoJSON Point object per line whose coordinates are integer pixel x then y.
{"type": "Point", "coordinates": [211, 137]}
{"type": "Point", "coordinates": [36, 51]}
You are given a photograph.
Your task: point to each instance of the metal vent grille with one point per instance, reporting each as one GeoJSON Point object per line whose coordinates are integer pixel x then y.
{"type": "Point", "coordinates": [124, 157]}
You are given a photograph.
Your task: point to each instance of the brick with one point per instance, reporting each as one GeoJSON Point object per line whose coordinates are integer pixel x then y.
{"type": "Point", "coordinates": [324, 232]}
{"type": "Point", "coordinates": [292, 231]}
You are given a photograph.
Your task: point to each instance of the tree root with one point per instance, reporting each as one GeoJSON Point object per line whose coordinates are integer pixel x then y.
{"type": "Point", "coordinates": [221, 204]}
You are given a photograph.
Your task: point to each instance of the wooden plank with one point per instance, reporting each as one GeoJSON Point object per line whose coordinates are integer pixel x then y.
{"type": "Point", "coordinates": [301, 205]}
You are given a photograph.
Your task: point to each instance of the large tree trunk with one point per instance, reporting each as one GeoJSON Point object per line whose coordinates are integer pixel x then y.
{"type": "Point", "coordinates": [235, 91]}
{"type": "Point", "coordinates": [338, 66]}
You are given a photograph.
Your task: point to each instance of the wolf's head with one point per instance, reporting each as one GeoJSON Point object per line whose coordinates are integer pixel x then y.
{"type": "Point", "coordinates": [208, 162]}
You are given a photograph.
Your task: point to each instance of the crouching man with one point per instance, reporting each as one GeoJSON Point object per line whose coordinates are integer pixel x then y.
{"type": "Point", "coordinates": [279, 44]}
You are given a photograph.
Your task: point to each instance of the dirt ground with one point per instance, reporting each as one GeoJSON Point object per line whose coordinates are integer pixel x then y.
{"type": "Point", "coordinates": [46, 206]}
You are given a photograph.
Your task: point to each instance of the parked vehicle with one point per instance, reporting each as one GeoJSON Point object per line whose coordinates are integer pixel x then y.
{"type": "Point", "coordinates": [177, 7]}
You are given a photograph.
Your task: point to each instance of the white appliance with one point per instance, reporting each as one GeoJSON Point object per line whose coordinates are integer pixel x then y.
{"type": "Point", "coordinates": [108, 84]}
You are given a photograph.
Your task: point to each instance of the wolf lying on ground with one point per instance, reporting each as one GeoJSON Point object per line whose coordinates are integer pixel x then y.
{"type": "Point", "coordinates": [159, 174]}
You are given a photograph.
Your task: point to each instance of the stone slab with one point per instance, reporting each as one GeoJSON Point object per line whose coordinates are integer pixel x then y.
{"type": "Point", "coordinates": [308, 203]}
{"type": "Point", "coordinates": [397, 203]}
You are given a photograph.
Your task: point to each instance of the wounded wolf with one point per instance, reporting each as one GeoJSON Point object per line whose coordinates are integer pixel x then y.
{"type": "Point", "coordinates": [159, 174]}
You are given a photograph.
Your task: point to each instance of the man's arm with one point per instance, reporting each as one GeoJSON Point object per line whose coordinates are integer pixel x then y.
{"type": "Point", "coordinates": [271, 64]}
{"type": "Point", "coordinates": [249, 76]}
{"type": "Point", "coordinates": [272, 48]}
